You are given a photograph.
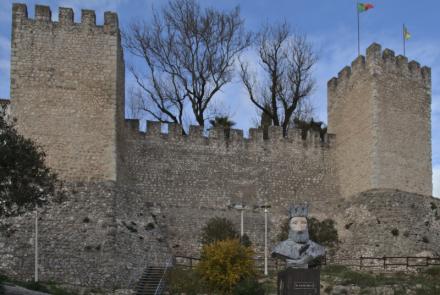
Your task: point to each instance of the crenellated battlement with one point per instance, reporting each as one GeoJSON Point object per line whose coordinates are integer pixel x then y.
{"type": "Point", "coordinates": [378, 62]}
{"type": "Point", "coordinates": [232, 136]}
{"type": "Point", "coordinates": [63, 62]}
{"type": "Point", "coordinates": [67, 94]}
{"type": "Point", "coordinates": [43, 15]}
{"type": "Point", "coordinates": [380, 109]}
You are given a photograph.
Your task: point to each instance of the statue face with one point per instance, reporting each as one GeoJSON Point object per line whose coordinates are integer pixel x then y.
{"type": "Point", "coordinates": [298, 224]}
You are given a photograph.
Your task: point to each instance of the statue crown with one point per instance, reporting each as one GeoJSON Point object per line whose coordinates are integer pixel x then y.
{"type": "Point", "coordinates": [300, 210]}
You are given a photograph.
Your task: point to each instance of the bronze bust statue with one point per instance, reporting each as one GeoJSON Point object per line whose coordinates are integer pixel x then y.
{"type": "Point", "coordinates": [298, 250]}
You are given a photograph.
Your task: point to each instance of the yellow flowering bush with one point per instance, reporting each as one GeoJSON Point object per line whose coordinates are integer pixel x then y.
{"type": "Point", "coordinates": [224, 264]}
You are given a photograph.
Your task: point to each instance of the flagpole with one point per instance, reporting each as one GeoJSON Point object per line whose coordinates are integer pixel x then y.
{"type": "Point", "coordinates": [359, 30]}
{"type": "Point", "coordinates": [404, 40]}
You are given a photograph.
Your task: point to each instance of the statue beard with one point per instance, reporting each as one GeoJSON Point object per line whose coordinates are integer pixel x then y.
{"type": "Point", "coordinates": [299, 236]}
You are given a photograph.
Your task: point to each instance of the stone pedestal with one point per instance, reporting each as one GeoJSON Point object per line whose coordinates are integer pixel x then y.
{"type": "Point", "coordinates": [299, 281]}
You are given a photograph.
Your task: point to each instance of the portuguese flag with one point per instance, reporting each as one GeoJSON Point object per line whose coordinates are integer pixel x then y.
{"type": "Point", "coordinates": [362, 7]}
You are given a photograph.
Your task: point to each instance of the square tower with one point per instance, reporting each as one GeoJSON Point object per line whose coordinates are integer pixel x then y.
{"type": "Point", "coordinates": [380, 110]}
{"type": "Point", "coordinates": [67, 89]}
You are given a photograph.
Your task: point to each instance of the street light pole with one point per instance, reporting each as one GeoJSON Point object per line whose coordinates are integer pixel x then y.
{"type": "Point", "coordinates": [36, 244]}
{"type": "Point", "coordinates": [242, 223]}
{"type": "Point", "coordinates": [266, 211]}
{"type": "Point", "coordinates": [265, 242]}
{"type": "Point", "coordinates": [241, 208]}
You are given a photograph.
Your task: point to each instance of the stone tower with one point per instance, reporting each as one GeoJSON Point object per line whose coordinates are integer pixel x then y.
{"type": "Point", "coordinates": [380, 110]}
{"type": "Point", "coordinates": [67, 89]}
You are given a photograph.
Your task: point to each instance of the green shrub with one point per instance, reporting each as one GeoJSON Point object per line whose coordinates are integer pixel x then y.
{"type": "Point", "coordinates": [35, 286]}
{"type": "Point", "coordinates": [245, 240]}
{"type": "Point", "coordinates": [395, 232]}
{"type": "Point", "coordinates": [46, 287]}
{"type": "Point", "coordinates": [185, 281]}
{"type": "Point", "coordinates": [218, 229]}
{"type": "Point", "coordinates": [328, 289]}
{"type": "Point", "coordinates": [323, 232]}
{"type": "Point", "coordinates": [433, 271]}
{"type": "Point", "coordinates": [2, 279]}
{"type": "Point", "coordinates": [224, 264]}
{"type": "Point", "coordinates": [346, 276]}
{"type": "Point", "coordinates": [284, 230]}
{"type": "Point", "coordinates": [249, 286]}
{"type": "Point", "coordinates": [54, 290]}
{"type": "Point", "coordinates": [401, 281]}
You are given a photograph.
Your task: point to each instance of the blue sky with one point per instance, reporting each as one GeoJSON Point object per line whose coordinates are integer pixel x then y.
{"type": "Point", "coordinates": [330, 25]}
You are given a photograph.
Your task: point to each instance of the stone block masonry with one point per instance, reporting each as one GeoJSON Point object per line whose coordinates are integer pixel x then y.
{"type": "Point", "coordinates": [100, 235]}
{"type": "Point", "coordinates": [66, 89]}
{"type": "Point", "coordinates": [193, 178]}
{"type": "Point", "coordinates": [380, 110]}
{"type": "Point", "coordinates": [379, 223]}
{"type": "Point", "coordinates": [134, 197]}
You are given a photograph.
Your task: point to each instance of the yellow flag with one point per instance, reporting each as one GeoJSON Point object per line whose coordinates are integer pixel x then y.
{"type": "Point", "coordinates": [406, 34]}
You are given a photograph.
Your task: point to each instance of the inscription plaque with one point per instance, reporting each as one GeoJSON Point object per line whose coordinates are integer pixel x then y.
{"type": "Point", "coordinates": [297, 281]}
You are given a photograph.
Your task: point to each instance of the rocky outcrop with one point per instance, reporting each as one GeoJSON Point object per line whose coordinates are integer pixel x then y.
{"type": "Point", "coordinates": [379, 223]}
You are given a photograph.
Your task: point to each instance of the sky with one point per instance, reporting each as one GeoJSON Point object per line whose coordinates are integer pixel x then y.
{"type": "Point", "coordinates": [329, 24]}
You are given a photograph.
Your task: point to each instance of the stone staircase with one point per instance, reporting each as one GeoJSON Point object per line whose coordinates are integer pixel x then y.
{"type": "Point", "coordinates": [152, 281]}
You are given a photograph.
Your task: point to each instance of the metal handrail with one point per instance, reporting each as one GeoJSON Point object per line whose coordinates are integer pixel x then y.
{"type": "Point", "coordinates": [161, 284]}
{"type": "Point", "coordinates": [134, 278]}
{"type": "Point", "coordinates": [386, 261]}
{"type": "Point", "coordinates": [382, 262]}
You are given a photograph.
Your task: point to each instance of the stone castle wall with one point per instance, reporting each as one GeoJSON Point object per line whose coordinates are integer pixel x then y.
{"type": "Point", "coordinates": [132, 196]}
{"type": "Point", "coordinates": [193, 178]}
{"type": "Point", "coordinates": [389, 222]}
{"type": "Point", "coordinates": [380, 110]}
{"type": "Point", "coordinates": [99, 235]}
{"type": "Point", "coordinates": [66, 89]}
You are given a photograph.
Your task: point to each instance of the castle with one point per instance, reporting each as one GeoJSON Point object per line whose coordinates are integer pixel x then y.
{"type": "Point", "coordinates": [137, 197]}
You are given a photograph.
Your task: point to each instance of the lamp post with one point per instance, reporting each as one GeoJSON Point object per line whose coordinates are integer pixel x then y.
{"type": "Point", "coordinates": [36, 245]}
{"type": "Point", "coordinates": [241, 208]}
{"type": "Point", "coordinates": [266, 211]}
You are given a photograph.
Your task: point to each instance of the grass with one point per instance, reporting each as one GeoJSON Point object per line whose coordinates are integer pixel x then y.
{"type": "Point", "coordinates": [425, 282]}
{"type": "Point", "coordinates": [46, 287]}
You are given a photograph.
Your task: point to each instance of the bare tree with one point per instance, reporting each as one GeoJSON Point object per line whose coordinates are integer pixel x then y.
{"type": "Point", "coordinates": [189, 53]}
{"type": "Point", "coordinates": [134, 104]}
{"type": "Point", "coordinates": [287, 59]}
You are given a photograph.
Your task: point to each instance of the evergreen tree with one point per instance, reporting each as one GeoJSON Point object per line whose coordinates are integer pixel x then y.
{"type": "Point", "coordinates": [222, 121]}
{"type": "Point", "coordinates": [25, 181]}
{"type": "Point", "coordinates": [218, 229]}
